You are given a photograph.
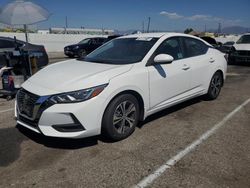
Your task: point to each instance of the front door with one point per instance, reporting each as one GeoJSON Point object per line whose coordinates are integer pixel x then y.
{"type": "Point", "coordinates": [168, 82]}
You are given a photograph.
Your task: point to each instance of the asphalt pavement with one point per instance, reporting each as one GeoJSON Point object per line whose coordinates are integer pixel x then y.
{"type": "Point", "coordinates": [221, 160]}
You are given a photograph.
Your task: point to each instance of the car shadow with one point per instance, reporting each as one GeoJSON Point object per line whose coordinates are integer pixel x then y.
{"type": "Point", "coordinates": [243, 64]}
{"type": "Point", "coordinates": [63, 143]}
{"type": "Point", "coordinates": [58, 143]}
{"type": "Point", "coordinates": [160, 70]}
{"type": "Point", "coordinates": [10, 145]}
{"type": "Point", "coordinates": [171, 110]}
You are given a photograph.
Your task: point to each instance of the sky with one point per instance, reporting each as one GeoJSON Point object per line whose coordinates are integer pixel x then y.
{"type": "Point", "coordinates": [166, 15]}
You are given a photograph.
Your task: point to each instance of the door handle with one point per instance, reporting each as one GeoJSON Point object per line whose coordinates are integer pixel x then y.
{"type": "Point", "coordinates": [185, 67]}
{"type": "Point", "coordinates": [211, 60]}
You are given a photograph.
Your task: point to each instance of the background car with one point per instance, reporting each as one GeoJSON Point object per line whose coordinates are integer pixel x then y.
{"type": "Point", "coordinates": [226, 47]}
{"type": "Point", "coordinates": [240, 52]}
{"type": "Point", "coordinates": [119, 84]}
{"type": "Point", "coordinates": [111, 37]}
{"type": "Point", "coordinates": [84, 47]}
{"type": "Point", "coordinates": [8, 44]}
{"type": "Point", "coordinates": [213, 42]}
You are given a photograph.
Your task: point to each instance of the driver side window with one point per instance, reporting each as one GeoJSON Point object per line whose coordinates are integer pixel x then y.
{"type": "Point", "coordinates": [171, 47]}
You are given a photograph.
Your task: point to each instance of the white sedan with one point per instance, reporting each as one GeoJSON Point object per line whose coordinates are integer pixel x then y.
{"type": "Point", "coordinates": [119, 84]}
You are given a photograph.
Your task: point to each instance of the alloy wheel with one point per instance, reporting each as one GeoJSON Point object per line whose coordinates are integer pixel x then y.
{"type": "Point", "coordinates": [216, 85]}
{"type": "Point", "coordinates": [124, 117]}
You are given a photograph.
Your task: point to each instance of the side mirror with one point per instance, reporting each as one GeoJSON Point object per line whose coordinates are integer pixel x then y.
{"type": "Point", "coordinates": [163, 59]}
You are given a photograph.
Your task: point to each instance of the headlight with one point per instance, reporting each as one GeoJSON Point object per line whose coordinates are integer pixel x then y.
{"type": "Point", "coordinates": [76, 47]}
{"type": "Point", "coordinates": [78, 96]}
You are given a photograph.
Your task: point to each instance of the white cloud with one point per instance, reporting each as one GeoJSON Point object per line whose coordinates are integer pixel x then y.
{"type": "Point", "coordinates": [201, 17]}
{"type": "Point", "coordinates": [171, 15]}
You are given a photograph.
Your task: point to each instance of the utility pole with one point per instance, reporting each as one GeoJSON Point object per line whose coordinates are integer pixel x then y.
{"type": "Point", "coordinates": [142, 26]}
{"type": "Point", "coordinates": [102, 30]}
{"type": "Point", "coordinates": [149, 20]}
{"type": "Point", "coordinates": [66, 24]}
{"type": "Point", "coordinates": [205, 28]}
{"type": "Point", "coordinates": [219, 29]}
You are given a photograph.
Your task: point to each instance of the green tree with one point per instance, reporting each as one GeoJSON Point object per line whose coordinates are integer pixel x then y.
{"type": "Point", "coordinates": [188, 30]}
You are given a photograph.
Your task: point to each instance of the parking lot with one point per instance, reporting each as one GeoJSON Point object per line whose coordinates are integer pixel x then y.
{"type": "Point", "coordinates": [221, 158]}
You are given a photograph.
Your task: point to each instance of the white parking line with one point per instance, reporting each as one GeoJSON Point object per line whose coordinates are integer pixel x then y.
{"type": "Point", "coordinates": [233, 74]}
{"type": "Point", "coordinates": [8, 110]}
{"type": "Point", "coordinates": [171, 162]}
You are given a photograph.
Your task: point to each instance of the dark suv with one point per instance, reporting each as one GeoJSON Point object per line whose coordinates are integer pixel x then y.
{"type": "Point", "coordinates": [84, 47]}
{"type": "Point", "coordinates": [8, 44]}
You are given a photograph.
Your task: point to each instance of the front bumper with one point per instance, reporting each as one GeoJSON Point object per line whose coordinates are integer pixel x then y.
{"type": "Point", "coordinates": [70, 52]}
{"type": "Point", "coordinates": [74, 120]}
{"type": "Point", "coordinates": [240, 56]}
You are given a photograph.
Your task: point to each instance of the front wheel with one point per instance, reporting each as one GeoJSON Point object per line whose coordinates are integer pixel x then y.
{"type": "Point", "coordinates": [121, 117]}
{"type": "Point", "coordinates": [82, 53]}
{"type": "Point", "coordinates": [71, 56]}
{"type": "Point", "coordinates": [215, 86]}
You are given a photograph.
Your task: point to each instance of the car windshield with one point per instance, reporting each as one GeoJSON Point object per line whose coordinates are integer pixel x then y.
{"type": "Point", "coordinates": [84, 41]}
{"type": "Point", "coordinates": [229, 43]}
{"type": "Point", "coordinates": [122, 51]}
{"type": "Point", "coordinates": [245, 39]}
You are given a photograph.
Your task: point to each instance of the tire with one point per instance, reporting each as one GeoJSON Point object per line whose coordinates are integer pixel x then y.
{"type": "Point", "coordinates": [215, 86]}
{"type": "Point", "coordinates": [121, 117]}
{"type": "Point", "coordinates": [82, 53]}
{"type": "Point", "coordinates": [71, 56]}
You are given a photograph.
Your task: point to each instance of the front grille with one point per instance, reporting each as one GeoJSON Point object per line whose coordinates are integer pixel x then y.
{"type": "Point", "coordinates": [26, 102]}
{"type": "Point", "coordinates": [243, 52]}
{"type": "Point", "coordinates": [31, 107]}
{"type": "Point", "coordinates": [46, 104]}
{"type": "Point", "coordinates": [31, 123]}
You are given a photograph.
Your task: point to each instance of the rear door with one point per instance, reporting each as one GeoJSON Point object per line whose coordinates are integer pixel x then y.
{"type": "Point", "coordinates": [199, 61]}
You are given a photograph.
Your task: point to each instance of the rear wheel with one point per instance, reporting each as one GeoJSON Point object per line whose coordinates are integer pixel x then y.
{"type": "Point", "coordinates": [215, 86]}
{"type": "Point", "coordinates": [121, 117]}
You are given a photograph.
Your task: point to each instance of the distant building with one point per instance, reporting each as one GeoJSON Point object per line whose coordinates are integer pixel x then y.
{"type": "Point", "coordinates": [43, 32]}
{"type": "Point", "coordinates": [202, 34]}
{"type": "Point", "coordinates": [81, 31]}
{"type": "Point", "coordinates": [196, 33]}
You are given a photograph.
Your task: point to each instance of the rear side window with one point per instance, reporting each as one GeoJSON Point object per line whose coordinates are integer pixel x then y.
{"type": "Point", "coordinates": [6, 44]}
{"type": "Point", "coordinates": [194, 47]}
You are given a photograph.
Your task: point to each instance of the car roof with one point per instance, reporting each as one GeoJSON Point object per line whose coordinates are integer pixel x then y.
{"type": "Point", "coordinates": [158, 35]}
{"type": "Point", "coordinates": [95, 38]}
{"type": "Point", "coordinates": [153, 35]}
{"type": "Point", "coordinates": [11, 39]}
{"type": "Point", "coordinates": [165, 34]}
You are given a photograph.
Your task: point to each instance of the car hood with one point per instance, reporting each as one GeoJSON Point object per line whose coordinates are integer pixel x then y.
{"type": "Point", "coordinates": [74, 45]}
{"type": "Point", "coordinates": [72, 75]}
{"type": "Point", "coordinates": [242, 47]}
